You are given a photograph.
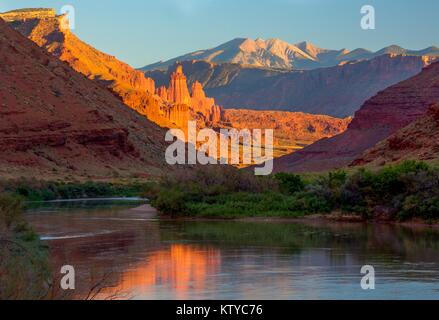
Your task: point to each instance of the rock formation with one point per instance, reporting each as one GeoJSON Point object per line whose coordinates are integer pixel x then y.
{"type": "Point", "coordinates": [182, 106]}
{"type": "Point", "coordinates": [204, 105]}
{"type": "Point", "coordinates": [28, 14]}
{"type": "Point", "coordinates": [380, 117]}
{"type": "Point", "coordinates": [162, 92]}
{"type": "Point", "coordinates": [55, 123]}
{"type": "Point", "coordinates": [178, 91]}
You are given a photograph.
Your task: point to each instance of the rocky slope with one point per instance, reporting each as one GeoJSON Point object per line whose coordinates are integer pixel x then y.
{"type": "Point", "coordinates": [337, 91]}
{"type": "Point", "coordinates": [419, 141]}
{"type": "Point", "coordinates": [54, 122]}
{"type": "Point", "coordinates": [275, 53]}
{"type": "Point", "coordinates": [380, 117]}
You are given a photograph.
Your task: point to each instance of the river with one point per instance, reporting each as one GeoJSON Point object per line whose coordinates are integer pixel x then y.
{"type": "Point", "coordinates": [119, 253]}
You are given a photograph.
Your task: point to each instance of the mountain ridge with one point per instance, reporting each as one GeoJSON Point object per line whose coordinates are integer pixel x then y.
{"type": "Point", "coordinates": [278, 54]}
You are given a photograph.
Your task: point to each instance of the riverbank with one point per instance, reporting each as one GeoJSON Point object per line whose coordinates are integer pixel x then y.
{"type": "Point", "coordinates": [315, 219]}
{"type": "Point", "coordinates": [405, 192]}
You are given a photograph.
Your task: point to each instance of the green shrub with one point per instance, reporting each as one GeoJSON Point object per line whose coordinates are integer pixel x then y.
{"type": "Point", "coordinates": [171, 201]}
{"type": "Point", "coordinates": [289, 183]}
{"type": "Point", "coordinates": [10, 211]}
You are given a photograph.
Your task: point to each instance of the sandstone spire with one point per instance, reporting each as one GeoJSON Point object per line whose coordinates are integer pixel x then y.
{"type": "Point", "coordinates": [204, 105]}
{"type": "Point", "coordinates": [178, 91]}
{"type": "Point", "coordinates": [198, 91]}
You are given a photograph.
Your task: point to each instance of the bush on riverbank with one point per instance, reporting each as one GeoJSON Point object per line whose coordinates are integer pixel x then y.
{"type": "Point", "coordinates": [400, 192]}
{"type": "Point", "coordinates": [36, 190]}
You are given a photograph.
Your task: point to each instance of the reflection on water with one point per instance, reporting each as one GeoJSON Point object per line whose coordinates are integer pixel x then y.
{"type": "Point", "coordinates": [180, 269]}
{"type": "Point", "coordinates": [130, 256]}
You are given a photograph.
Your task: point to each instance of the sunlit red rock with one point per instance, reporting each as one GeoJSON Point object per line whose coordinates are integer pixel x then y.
{"type": "Point", "coordinates": [204, 105]}
{"type": "Point", "coordinates": [162, 92]}
{"type": "Point", "coordinates": [178, 91]}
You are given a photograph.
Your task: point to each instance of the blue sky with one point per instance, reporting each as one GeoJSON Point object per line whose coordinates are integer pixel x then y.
{"type": "Point", "coordinates": [141, 32]}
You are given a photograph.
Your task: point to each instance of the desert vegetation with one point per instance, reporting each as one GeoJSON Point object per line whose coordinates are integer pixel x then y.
{"type": "Point", "coordinates": [405, 191]}
{"type": "Point", "coordinates": [24, 268]}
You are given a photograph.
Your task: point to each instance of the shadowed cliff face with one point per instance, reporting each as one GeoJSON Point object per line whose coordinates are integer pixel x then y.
{"type": "Point", "coordinates": [380, 117]}
{"type": "Point", "coordinates": [419, 140]}
{"type": "Point", "coordinates": [54, 122]}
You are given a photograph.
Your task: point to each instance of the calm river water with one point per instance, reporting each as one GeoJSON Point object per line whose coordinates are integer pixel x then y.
{"type": "Point", "coordinates": [125, 255]}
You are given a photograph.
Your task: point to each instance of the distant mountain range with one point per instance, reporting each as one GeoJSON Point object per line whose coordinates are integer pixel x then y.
{"type": "Point", "coordinates": [278, 54]}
